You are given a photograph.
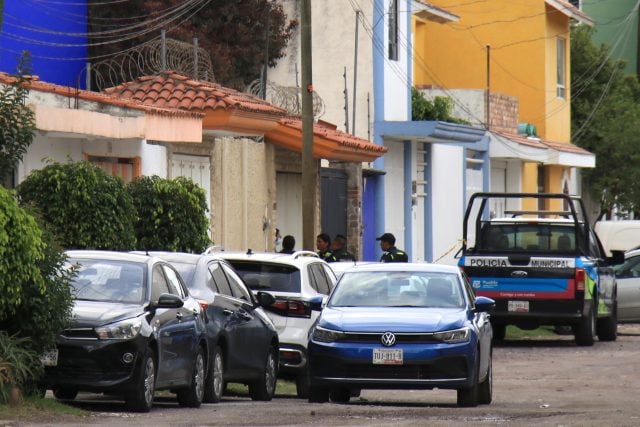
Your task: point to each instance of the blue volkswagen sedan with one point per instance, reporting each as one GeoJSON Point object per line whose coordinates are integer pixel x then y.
{"type": "Point", "coordinates": [402, 326]}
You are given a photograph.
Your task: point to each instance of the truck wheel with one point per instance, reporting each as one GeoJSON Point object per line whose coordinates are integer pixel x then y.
{"type": "Point", "coordinates": [585, 331]}
{"type": "Point", "coordinates": [608, 326]}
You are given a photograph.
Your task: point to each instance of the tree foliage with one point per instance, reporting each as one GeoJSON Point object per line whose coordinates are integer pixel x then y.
{"type": "Point", "coordinates": [86, 207]}
{"type": "Point", "coordinates": [605, 119]}
{"type": "Point", "coordinates": [17, 121]}
{"type": "Point", "coordinates": [439, 109]}
{"type": "Point", "coordinates": [232, 31]}
{"type": "Point", "coordinates": [172, 214]}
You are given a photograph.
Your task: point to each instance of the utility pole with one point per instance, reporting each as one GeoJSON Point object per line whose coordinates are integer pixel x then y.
{"type": "Point", "coordinates": [309, 169]}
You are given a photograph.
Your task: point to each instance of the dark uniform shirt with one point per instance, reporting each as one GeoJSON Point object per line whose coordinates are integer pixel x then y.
{"type": "Point", "coordinates": [394, 255]}
{"type": "Point", "coordinates": [343, 255]}
{"type": "Point", "coordinates": [327, 256]}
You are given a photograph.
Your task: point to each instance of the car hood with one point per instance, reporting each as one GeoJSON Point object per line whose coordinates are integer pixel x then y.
{"type": "Point", "coordinates": [395, 319]}
{"type": "Point", "coordinates": [90, 314]}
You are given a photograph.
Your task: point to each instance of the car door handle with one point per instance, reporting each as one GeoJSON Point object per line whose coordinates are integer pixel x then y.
{"type": "Point", "coordinates": [245, 316]}
{"type": "Point", "coordinates": [227, 312]}
{"type": "Point", "coordinates": [179, 315]}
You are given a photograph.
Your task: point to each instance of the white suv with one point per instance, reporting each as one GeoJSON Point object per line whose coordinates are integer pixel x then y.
{"type": "Point", "coordinates": [293, 279]}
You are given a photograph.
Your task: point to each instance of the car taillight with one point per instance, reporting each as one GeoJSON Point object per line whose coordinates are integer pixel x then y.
{"type": "Point", "coordinates": [291, 307]}
{"type": "Point", "coordinates": [204, 304]}
{"type": "Point", "coordinates": [580, 279]}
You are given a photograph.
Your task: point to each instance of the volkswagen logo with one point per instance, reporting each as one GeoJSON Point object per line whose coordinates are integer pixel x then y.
{"type": "Point", "coordinates": [519, 273]}
{"type": "Point", "coordinates": [388, 339]}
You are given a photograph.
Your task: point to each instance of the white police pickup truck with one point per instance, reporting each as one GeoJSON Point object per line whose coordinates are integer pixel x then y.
{"type": "Point", "coordinates": [542, 266]}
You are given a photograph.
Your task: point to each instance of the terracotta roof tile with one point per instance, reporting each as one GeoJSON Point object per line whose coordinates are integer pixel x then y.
{"type": "Point", "coordinates": [186, 91]}
{"type": "Point", "coordinates": [566, 147]}
{"type": "Point", "coordinates": [35, 84]}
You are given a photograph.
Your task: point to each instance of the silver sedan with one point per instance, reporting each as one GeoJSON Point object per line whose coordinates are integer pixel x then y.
{"type": "Point", "coordinates": [628, 278]}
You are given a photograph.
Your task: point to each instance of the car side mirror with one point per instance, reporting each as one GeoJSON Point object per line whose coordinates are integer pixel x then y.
{"type": "Point", "coordinates": [617, 257]}
{"type": "Point", "coordinates": [317, 303]}
{"type": "Point", "coordinates": [484, 304]}
{"type": "Point", "coordinates": [168, 301]}
{"type": "Point", "coordinates": [265, 299]}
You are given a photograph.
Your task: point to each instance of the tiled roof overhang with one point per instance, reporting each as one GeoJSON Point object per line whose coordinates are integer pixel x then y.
{"type": "Point", "coordinates": [512, 146]}
{"type": "Point", "coordinates": [328, 142]}
{"type": "Point", "coordinates": [571, 11]}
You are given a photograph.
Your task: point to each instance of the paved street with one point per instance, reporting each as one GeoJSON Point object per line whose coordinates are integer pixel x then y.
{"type": "Point", "coordinates": [544, 382]}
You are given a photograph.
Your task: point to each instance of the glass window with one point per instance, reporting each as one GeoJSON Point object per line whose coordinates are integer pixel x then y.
{"type": "Point", "coordinates": [561, 68]}
{"type": "Point", "coordinates": [105, 280]}
{"type": "Point", "coordinates": [220, 279]}
{"type": "Point", "coordinates": [237, 286]}
{"type": "Point", "coordinates": [393, 30]}
{"type": "Point", "coordinates": [629, 268]}
{"type": "Point", "coordinates": [159, 283]}
{"type": "Point", "coordinates": [319, 280]}
{"type": "Point", "coordinates": [530, 237]}
{"type": "Point", "coordinates": [175, 287]}
{"type": "Point", "coordinates": [266, 276]}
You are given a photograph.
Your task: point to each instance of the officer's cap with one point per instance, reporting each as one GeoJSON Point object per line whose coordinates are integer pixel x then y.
{"type": "Point", "coordinates": [387, 237]}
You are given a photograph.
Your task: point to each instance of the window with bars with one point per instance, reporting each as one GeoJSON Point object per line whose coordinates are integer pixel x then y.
{"type": "Point", "coordinates": [561, 68]}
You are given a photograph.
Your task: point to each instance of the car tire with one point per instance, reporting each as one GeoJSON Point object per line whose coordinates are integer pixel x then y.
{"type": "Point", "coordinates": [192, 395]}
{"type": "Point", "coordinates": [265, 388]}
{"type": "Point", "coordinates": [302, 384]}
{"type": "Point", "coordinates": [607, 328]}
{"type": "Point", "coordinates": [340, 395]}
{"type": "Point", "coordinates": [141, 398]}
{"type": "Point", "coordinates": [499, 332]}
{"type": "Point", "coordinates": [63, 393]}
{"type": "Point", "coordinates": [585, 331]}
{"type": "Point", "coordinates": [485, 388]}
{"type": "Point", "coordinates": [214, 384]}
{"type": "Point", "coordinates": [318, 395]}
{"type": "Point", "coordinates": [468, 396]}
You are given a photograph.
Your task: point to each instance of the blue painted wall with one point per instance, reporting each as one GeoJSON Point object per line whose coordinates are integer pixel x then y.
{"type": "Point", "coordinates": [53, 32]}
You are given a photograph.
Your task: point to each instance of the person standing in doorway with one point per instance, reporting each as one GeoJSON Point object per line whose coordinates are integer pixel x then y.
{"type": "Point", "coordinates": [323, 244]}
{"type": "Point", "coordinates": [339, 249]}
{"type": "Point", "coordinates": [390, 252]}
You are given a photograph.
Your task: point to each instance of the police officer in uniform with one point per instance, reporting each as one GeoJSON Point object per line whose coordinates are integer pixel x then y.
{"type": "Point", "coordinates": [390, 252]}
{"type": "Point", "coordinates": [323, 244]}
{"type": "Point", "coordinates": [339, 249]}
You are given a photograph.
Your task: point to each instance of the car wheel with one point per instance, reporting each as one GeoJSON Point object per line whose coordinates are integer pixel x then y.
{"type": "Point", "coordinates": [608, 326]}
{"type": "Point", "coordinates": [499, 332]}
{"type": "Point", "coordinates": [265, 387]}
{"type": "Point", "coordinates": [192, 395]}
{"type": "Point", "coordinates": [485, 388]}
{"type": "Point", "coordinates": [468, 396]}
{"type": "Point", "coordinates": [62, 393]}
{"type": "Point", "coordinates": [318, 394]}
{"type": "Point", "coordinates": [141, 398]}
{"type": "Point", "coordinates": [340, 395]}
{"type": "Point", "coordinates": [585, 331]}
{"type": "Point", "coordinates": [214, 384]}
{"type": "Point", "coordinates": [302, 384]}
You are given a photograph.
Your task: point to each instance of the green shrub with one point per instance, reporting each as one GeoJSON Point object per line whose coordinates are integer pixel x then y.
{"type": "Point", "coordinates": [87, 208]}
{"type": "Point", "coordinates": [440, 108]}
{"type": "Point", "coordinates": [21, 249]}
{"type": "Point", "coordinates": [19, 365]}
{"type": "Point", "coordinates": [171, 214]}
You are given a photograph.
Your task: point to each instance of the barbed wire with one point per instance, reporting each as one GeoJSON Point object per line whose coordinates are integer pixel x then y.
{"type": "Point", "coordinates": [287, 97]}
{"type": "Point", "coordinates": [147, 59]}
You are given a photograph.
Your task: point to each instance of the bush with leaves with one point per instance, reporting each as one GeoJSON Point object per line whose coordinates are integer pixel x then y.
{"type": "Point", "coordinates": [172, 214]}
{"type": "Point", "coordinates": [86, 207]}
{"type": "Point", "coordinates": [19, 365]}
{"type": "Point", "coordinates": [440, 108]}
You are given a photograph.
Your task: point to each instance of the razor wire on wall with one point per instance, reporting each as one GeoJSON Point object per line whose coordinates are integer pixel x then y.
{"type": "Point", "coordinates": [287, 97]}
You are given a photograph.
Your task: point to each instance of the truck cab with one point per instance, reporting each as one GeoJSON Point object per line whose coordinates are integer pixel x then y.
{"type": "Point", "coordinates": [541, 266]}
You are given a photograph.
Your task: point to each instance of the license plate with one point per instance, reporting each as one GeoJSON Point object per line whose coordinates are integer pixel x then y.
{"type": "Point", "coordinates": [49, 357]}
{"type": "Point", "coordinates": [519, 306]}
{"type": "Point", "coordinates": [387, 356]}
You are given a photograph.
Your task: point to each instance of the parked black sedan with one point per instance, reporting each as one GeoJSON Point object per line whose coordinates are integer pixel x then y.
{"type": "Point", "coordinates": [135, 329]}
{"type": "Point", "coordinates": [242, 338]}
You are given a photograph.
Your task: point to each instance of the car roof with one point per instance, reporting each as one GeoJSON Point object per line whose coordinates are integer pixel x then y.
{"type": "Point", "coordinates": [406, 266]}
{"type": "Point", "coordinates": [534, 219]}
{"type": "Point", "coordinates": [296, 257]}
{"type": "Point", "coordinates": [108, 255]}
{"type": "Point", "coordinates": [183, 257]}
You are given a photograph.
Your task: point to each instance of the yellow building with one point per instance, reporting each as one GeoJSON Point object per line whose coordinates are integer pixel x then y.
{"type": "Point", "coordinates": [517, 48]}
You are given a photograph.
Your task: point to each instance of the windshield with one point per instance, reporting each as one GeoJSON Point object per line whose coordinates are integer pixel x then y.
{"type": "Point", "coordinates": [547, 238]}
{"type": "Point", "coordinates": [398, 289]}
{"type": "Point", "coordinates": [106, 280]}
{"type": "Point", "coordinates": [272, 277]}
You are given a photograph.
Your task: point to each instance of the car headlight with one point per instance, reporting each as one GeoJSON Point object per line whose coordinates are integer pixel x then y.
{"type": "Point", "coordinates": [455, 336]}
{"type": "Point", "coordinates": [123, 330]}
{"type": "Point", "coordinates": [326, 335]}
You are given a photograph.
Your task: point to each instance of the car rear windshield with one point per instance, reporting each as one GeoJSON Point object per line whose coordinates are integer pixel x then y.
{"type": "Point", "coordinates": [266, 276]}
{"type": "Point", "coordinates": [106, 280]}
{"type": "Point", "coordinates": [544, 237]}
{"type": "Point", "coordinates": [186, 271]}
{"type": "Point", "coordinates": [398, 289]}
